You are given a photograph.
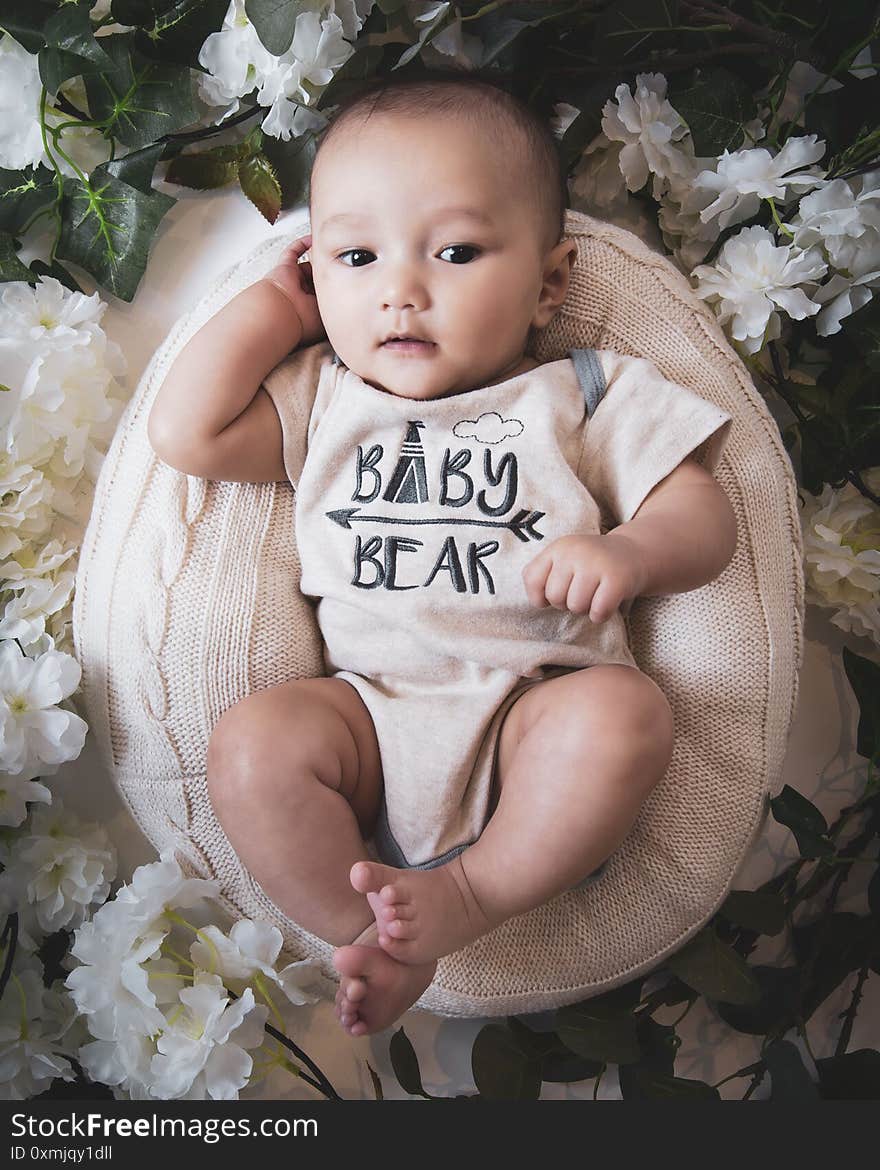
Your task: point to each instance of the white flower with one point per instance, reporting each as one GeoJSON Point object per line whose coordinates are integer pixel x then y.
{"type": "Point", "coordinates": [33, 1019]}
{"type": "Point", "coordinates": [318, 49]}
{"type": "Point", "coordinates": [50, 313]}
{"type": "Point", "coordinates": [352, 13]}
{"type": "Point", "coordinates": [59, 403]}
{"type": "Point", "coordinates": [751, 278]}
{"type": "Point", "coordinates": [741, 180]}
{"type": "Point", "coordinates": [36, 736]}
{"type": "Point", "coordinates": [25, 505]}
{"type": "Point", "coordinates": [238, 63]}
{"type": "Point", "coordinates": [843, 218]}
{"type": "Point", "coordinates": [34, 600]}
{"type": "Point", "coordinates": [236, 59]}
{"type": "Point", "coordinates": [15, 793]}
{"type": "Point", "coordinates": [202, 1051]}
{"type": "Point", "coordinates": [21, 140]}
{"type": "Point", "coordinates": [651, 131]}
{"type": "Point", "coordinates": [841, 530]}
{"type": "Point", "coordinates": [21, 143]}
{"type": "Point", "coordinates": [162, 886]}
{"type": "Point", "coordinates": [61, 867]}
{"type": "Point", "coordinates": [251, 949]}
{"type": "Point", "coordinates": [119, 950]}
{"type": "Point", "coordinates": [122, 1063]}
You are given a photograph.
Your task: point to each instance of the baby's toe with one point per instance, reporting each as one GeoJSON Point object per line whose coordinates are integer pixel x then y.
{"type": "Point", "coordinates": [396, 894]}
{"type": "Point", "coordinates": [356, 990]}
{"type": "Point", "coordinates": [400, 929]}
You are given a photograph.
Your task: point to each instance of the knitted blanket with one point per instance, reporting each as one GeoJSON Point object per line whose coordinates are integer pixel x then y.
{"type": "Point", "coordinates": [187, 600]}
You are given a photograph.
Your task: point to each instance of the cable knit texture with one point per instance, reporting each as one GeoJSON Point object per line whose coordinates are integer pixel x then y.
{"type": "Point", "coordinates": [187, 600]}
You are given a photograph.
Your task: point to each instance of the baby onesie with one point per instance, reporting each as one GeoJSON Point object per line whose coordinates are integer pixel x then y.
{"type": "Point", "coordinates": [415, 521]}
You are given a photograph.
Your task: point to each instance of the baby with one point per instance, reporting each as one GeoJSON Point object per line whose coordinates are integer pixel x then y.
{"type": "Point", "coordinates": [470, 522]}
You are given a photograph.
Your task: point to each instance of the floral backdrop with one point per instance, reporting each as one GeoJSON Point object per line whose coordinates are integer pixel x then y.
{"type": "Point", "coordinates": [740, 140]}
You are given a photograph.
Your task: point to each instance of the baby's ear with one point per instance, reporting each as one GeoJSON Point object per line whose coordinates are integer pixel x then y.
{"type": "Point", "coordinates": [554, 289]}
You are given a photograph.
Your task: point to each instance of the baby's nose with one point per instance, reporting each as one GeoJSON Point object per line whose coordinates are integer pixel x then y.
{"type": "Point", "coordinates": [404, 289]}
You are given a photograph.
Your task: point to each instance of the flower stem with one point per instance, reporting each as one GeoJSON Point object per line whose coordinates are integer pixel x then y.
{"type": "Point", "coordinates": [779, 224]}
{"type": "Point", "coordinates": [10, 930]}
{"type": "Point", "coordinates": [59, 183]}
{"type": "Point", "coordinates": [850, 1014]}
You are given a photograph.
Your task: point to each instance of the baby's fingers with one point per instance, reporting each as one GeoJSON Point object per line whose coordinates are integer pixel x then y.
{"type": "Point", "coordinates": [581, 592]}
{"type": "Point", "coordinates": [294, 251]}
{"type": "Point", "coordinates": [606, 600]}
{"type": "Point", "coordinates": [558, 584]}
{"type": "Point", "coordinates": [535, 578]}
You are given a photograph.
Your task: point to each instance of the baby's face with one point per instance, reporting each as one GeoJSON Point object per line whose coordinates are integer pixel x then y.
{"type": "Point", "coordinates": [418, 229]}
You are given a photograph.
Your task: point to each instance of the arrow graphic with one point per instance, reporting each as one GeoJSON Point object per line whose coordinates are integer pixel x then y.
{"type": "Point", "coordinates": [522, 525]}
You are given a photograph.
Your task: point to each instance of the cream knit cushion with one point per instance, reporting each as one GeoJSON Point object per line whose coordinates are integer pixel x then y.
{"type": "Point", "coordinates": [187, 600]}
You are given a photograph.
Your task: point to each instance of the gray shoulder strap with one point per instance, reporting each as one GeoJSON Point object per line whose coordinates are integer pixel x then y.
{"type": "Point", "coordinates": [589, 373]}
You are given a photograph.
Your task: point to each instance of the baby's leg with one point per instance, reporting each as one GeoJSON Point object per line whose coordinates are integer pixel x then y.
{"type": "Point", "coordinates": [577, 757]}
{"type": "Point", "coordinates": [295, 778]}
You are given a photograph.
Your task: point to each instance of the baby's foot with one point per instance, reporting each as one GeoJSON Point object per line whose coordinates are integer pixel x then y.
{"type": "Point", "coordinates": [375, 989]}
{"type": "Point", "coordinates": [421, 914]}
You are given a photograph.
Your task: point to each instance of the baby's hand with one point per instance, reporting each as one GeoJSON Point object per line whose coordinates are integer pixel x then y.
{"type": "Point", "coordinates": [295, 281]}
{"type": "Point", "coordinates": [585, 574]}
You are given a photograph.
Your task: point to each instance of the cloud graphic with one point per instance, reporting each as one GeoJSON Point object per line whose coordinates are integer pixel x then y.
{"type": "Point", "coordinates": [489, 428]}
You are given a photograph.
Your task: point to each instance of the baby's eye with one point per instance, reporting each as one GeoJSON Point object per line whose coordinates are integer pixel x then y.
{"type": "Point", "coordinates": [354, 252]}
{"type": "Point", "coordinates": [460, 248]}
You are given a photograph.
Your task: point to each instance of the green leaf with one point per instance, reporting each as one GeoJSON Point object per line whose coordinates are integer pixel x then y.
{"type": "Point", "coordinates": [715, 108]}
{"type": "Point", "coordinates": [406, 1064]}
{"type": "Point", "coordinates": [71, 48]}
{"type": "Point", "coordinates": [863, 334]}
{"type": "Point", "coordinates": [755, 910]}
{"type": "Point", "coordinates": [805, 821]}
{"type": "Point", "coordinates": [864, 678]}
{"type": "Point", "coordinates": [22, 194]}
{"type": "Point", "coordinates": [207, 169]}
{"type": "Point", "coordinates": [136, 168]}
{"type": "Point", "coordinates": [498, 33]}
{"type": "Point", "coordinates": [292, 163]}
{"type": "Point", "coordinates": [426, 33]}
{"type": "Point", "coordinates": [599, 1031]}
{"type": "Point", "coordinates": [638, 1084]}
{"type": "Point", "coordinates": [672, 993]}
{"type": "Point", "coordinates": [502, 1071]}
{"type": "Point", "coordinates": [715, 970]}
{"type": "Point", "coordinates": [377, 1084]}
{"type": "Point", "coordinates": [855, 1076]}
{"type": "Point", "coordinates": [659, 1044]}
{"type": "Point", "coordinates": [260, 183]}
{"type": "Point", "coordinates": [58, 271]}
{"type": "Point", "coordinates": [141, 100]}
{"type": "Point", "coordinates": [274, 21]}
{"type": "Point", "coordinates": [25, 20]}
{"type": "Point", "coordinates": [776, 1010]}
{"type": "Point", "coordinates": [171, 30]}
{"type": "Point", "coordinates": [363, 64]}
{"type": "Point", "coordinates": [790, 1080]}
{"type": "Point", "coordinates": [557, 1063]}
{"type": "Point", "coordinates": [874, 893]}
{"type": "Point", "coordinates": [11, 268]}
{"type": "Point", "coordinates": [107, 228]}
{"type": "Point", "coordinates": [829, 950]}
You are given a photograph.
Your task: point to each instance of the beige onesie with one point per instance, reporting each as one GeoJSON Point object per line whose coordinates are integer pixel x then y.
{"type": "Point", "coordinates": [414, 522]}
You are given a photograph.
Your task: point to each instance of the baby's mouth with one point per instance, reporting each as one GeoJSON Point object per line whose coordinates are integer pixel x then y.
{"type": "Point", "coordinates": [418, 345]}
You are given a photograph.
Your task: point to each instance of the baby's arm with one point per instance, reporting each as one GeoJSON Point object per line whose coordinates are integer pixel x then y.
{"type": "Point", "coordinates": [211, 417]}
{"type": "Point", "coordinates": [681, 537]}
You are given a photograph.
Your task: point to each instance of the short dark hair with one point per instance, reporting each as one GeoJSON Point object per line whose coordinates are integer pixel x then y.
{"type": "Point", "coordinates": [483, 101]}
